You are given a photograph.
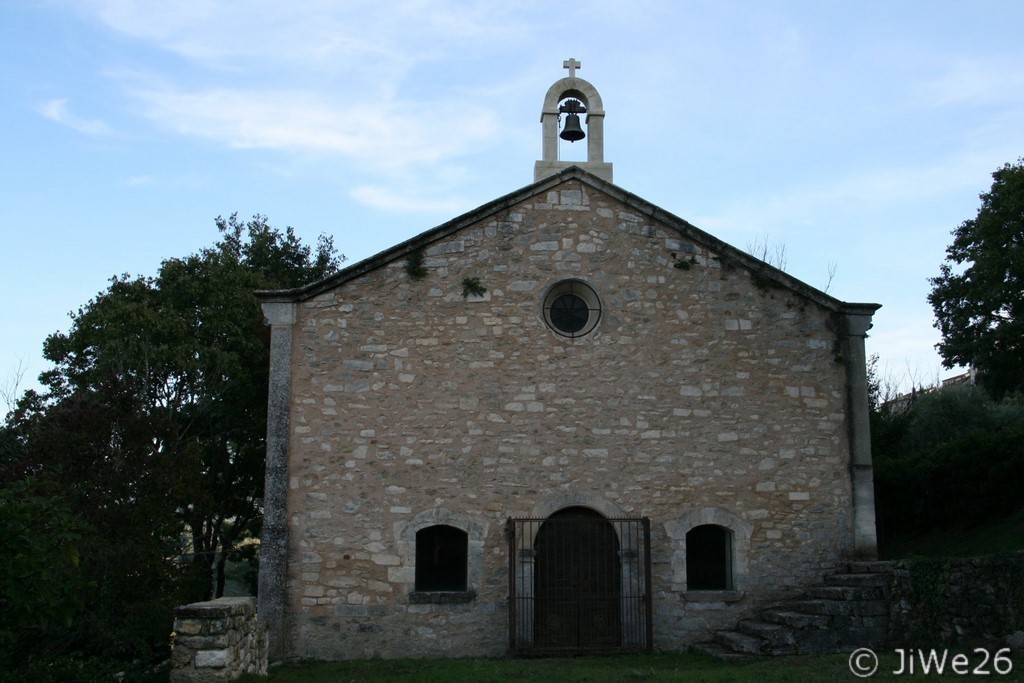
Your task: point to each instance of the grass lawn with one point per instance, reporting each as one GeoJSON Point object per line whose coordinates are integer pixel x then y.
{"type": "Point", "coordinates": [656, 667]}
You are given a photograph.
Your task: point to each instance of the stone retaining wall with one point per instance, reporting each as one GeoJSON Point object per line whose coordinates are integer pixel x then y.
{"type": "Point", "coordinates": [936, 602]}
{"type": "Point", "coordinates": [217, 640]}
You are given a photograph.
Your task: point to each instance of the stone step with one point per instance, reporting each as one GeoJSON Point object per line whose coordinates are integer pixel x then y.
{"type": "Point", "coordinates": [720, 652]}
{"type": "Point", "coordinates": [859, 579]}
{"type": "Point", "coordinates": [846, 593]}
{"type": "Point", "coordinates": [871, 566]}
{"type": "Point", "coordinates": [779, 639]}
{"type": "Point", "coordinates": [821, 607]}
{"type": "Point", "coordinates": [794, 619]}
{"type": "Point", "coordinates": [849, 608]}
{"type": "Point", "coordinates": [740, 642]}
{"type": "Point", "coordinates": [872, 608]}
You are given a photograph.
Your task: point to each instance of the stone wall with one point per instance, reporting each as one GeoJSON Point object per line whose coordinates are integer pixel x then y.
{"type": "Point", "coordinates": [217, 641]}
{"type": "Point", "coordinates": [943, 602]}
{"type": "Point", "coordinates": [704, 395]}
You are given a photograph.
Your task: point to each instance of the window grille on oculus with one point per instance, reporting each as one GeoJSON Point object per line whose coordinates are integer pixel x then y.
{"type": "Point", "coordinates": [572, 308]}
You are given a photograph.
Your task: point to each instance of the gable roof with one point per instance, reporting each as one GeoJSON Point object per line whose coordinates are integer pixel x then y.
{"type": "Point", "coordinates": [758, 268]}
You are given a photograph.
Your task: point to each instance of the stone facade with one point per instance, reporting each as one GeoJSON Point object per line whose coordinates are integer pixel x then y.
{"type": "Point", "coordinates": [714, 390]}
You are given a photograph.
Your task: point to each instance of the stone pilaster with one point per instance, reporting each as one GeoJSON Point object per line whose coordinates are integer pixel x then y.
{"type": "Point", "coordinates": [865, 536]}
{"type": "Point", "coordinates": [274, 537]}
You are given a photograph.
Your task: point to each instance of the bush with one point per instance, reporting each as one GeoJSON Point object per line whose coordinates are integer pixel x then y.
{"type": "Point", "coordinates": [955, 413]}
{"type": "Point", "coordinates": [956, 459]}
{"type": "Point", "coordinates": [41, 578]}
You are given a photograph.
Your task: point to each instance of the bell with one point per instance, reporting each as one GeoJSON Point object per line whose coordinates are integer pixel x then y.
{"type": "Point", "coordinates": [572, 131]}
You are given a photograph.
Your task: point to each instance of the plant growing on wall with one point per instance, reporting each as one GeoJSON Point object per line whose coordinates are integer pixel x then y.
{"type": "Point", "coordinates": [414, 265]}
{"type": "Point", "coordinates": [683, 261]}
{"type": "Point", "coordinates": [471, 287]}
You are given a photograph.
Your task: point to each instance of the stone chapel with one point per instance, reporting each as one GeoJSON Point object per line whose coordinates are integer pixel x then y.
{"type": "Point", "coordinates": [565, 421]}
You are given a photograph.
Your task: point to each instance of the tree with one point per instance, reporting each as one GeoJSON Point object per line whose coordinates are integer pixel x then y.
{"type": "Point", "coordinates": [94, 447]}
{"type": "Point", "coordinates": [978, 297]}
{"type": "Point", "coordinates": [184, 353]}
{"type": "Point", "coordinates": [41, 582]}
{"type": "Point", "coordinates": [153, 418]}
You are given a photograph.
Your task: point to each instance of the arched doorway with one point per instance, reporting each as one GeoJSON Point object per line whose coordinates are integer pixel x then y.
{"type": "Point", "coordinates": [577, 582]}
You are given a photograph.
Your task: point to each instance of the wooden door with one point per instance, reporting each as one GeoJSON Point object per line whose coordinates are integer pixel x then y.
{"type": "Point", "coordinates": [577, 582]}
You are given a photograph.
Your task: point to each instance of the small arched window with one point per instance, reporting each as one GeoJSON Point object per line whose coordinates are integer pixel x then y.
{"type": "Point", "coordinates": [709, 558]}
{"type": "Point", "coordinates": [441, 556]}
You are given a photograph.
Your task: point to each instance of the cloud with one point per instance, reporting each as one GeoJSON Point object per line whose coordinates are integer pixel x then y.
{"type": "Point", "coordinates": [369, 82]}
{"type": "Point", "coordinates": [57, 111]}
{"type": "Point", "coordinates": [389, 200]}
{"type": "Point", "coordinates": [384, 134]}
{"type": "Point", "coordinates": [846, 197]}
{"type": "Point", "coordinates": [975, 82]}
{"type": "Point", "coordinates": [364, 37]}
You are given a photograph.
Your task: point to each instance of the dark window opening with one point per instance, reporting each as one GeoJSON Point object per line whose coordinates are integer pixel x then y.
{"type": "Point", "coordinates": [441, 557]}
{"type": "Point", "coordinates": [569, 313]}
{"type": "Point", "coordinates": [709, 558]}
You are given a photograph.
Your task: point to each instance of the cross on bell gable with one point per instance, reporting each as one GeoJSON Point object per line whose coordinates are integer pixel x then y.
{"type": "Point", "coordinates": [571, 64]}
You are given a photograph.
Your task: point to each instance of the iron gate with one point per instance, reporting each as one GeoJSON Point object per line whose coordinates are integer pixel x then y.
{"type": "Point", "coordinates": [579, 582]}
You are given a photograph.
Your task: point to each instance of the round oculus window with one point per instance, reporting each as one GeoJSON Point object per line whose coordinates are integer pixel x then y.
{"type": "Point", "coordinates": [571, 308]}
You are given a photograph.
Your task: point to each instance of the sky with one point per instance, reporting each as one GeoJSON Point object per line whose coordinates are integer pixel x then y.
{"type": "Point", "coordinates": [853, 137]}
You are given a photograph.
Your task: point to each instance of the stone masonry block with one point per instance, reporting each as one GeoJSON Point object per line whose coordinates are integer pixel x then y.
{"type": "Point", "coordinates": [188, 627]}
{"type": "Point", "coordinates": [213, 659]}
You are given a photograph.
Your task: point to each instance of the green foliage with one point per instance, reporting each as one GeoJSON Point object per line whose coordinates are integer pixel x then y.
{"type": "Point", "coordinates": [414, 267]}
{"type": "Point", "coordinates": [978, 297]}
{"type": "Point", "coordinates": [41, 579]}
{"type": "Point", "coordinates": [955, 413]}
{"type": "Point", "coordinates": [684, 263]}
{"type": "Point", "coordinates": [888, 419]}
{"type": "Point", "coordinates": [96, 449]}
{"type": "Point", "coordinates": [471, 287]}
{"type": "Point", "coordinates": [53, 669]}
{"type": "Point", "coordinates": [955, 459]}
{"type": "Point", "coordinates": [152, 426]}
